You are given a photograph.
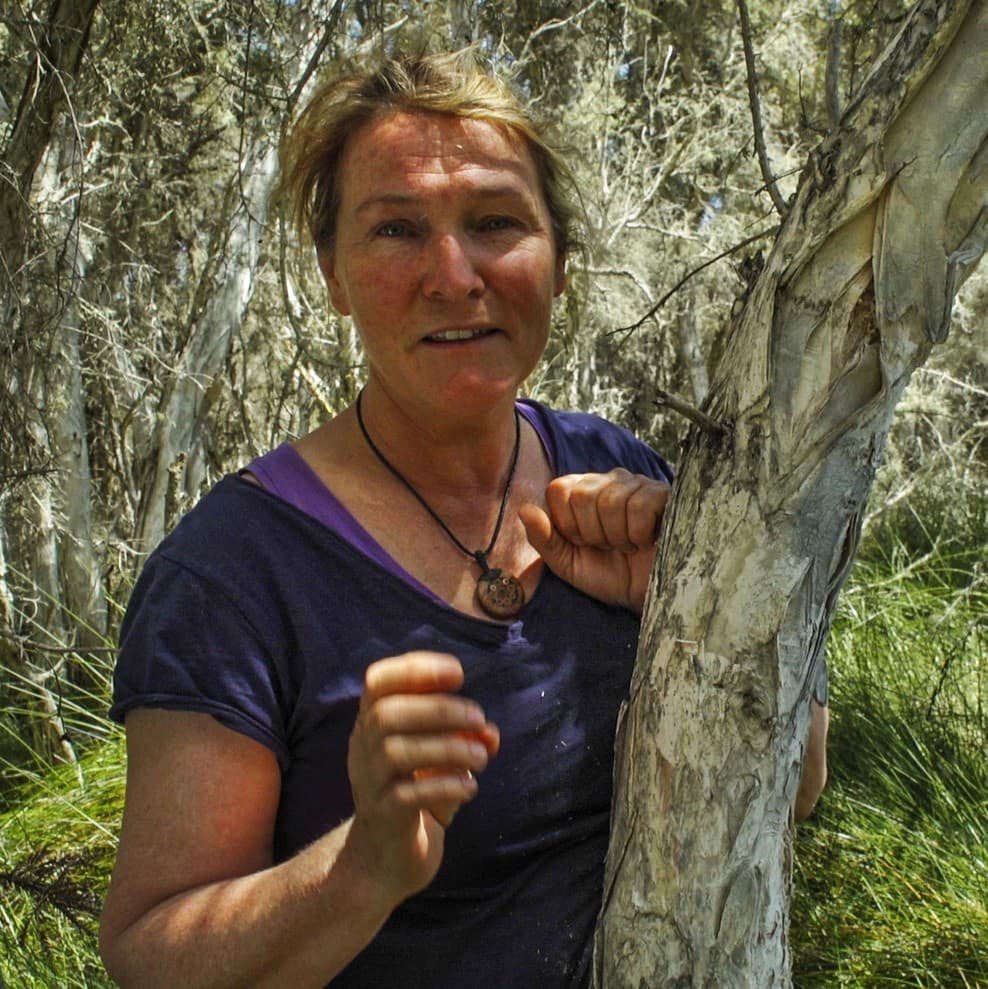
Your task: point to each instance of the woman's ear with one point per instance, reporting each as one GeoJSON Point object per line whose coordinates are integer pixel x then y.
{"type": "Point", "coordinates": [337, 290]}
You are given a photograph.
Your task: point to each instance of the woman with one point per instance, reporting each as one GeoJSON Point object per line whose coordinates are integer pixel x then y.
{"type": "Point", "coordinates": [370, 685]}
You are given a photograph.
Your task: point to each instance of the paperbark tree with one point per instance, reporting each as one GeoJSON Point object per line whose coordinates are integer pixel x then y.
{"type": "Point", "coordinates": [46, 390]}
{"type": "Point", "coordinates": [65, 258]}
{"type": "Point", "coordinates": [890, 216]}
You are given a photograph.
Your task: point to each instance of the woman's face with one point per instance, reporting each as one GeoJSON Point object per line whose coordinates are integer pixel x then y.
{"type": "Point", "coordinates": [445, 258]}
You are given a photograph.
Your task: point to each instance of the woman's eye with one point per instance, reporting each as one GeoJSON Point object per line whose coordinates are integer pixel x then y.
{"type": "Point", "coordinates": [392, 228]}
{"type": "Point", "coordinates": [496, 223]}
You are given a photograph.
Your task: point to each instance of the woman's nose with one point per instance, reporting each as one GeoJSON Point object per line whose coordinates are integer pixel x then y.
{"type": "Point", "coordinates": [451, 271]}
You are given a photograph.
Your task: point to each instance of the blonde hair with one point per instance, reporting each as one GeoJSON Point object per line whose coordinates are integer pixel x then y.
{"type": "Point", "coordinates": [454, 84]}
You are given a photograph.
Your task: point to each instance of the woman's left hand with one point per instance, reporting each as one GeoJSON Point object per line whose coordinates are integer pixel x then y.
{"type": "Point", "coordinates": [599, 533]}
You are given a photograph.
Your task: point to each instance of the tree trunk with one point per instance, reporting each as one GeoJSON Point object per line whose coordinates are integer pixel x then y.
{"type": "Point", "coordinates": [60, 49]}
{"type": "Point", "coordinates": [889, 218]}
{"type": "Point", "coordinates": [175, 469]}
{"type": "Point", "coordinates": [78, 592]}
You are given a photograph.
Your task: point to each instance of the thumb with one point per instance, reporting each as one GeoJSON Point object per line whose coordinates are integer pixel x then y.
{"type": "Point", "coordinates": [544, 538]}
{"type": "Point", "coordinates": [538, 528]}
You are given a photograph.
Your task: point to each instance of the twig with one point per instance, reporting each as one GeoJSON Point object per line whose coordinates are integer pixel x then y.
{"type": "Point", "coordinates": [689, 274]}
{"type": "Point", "coordinates": [329, 30]}
{"type": "Point", "coordinates": [756, 111]}
{"type": "Point", "coordinates": [710, 426]}
{"type": "Point", "coordinates": [833, 69]}
{"type": "Point", "coordinates": [25, 643]}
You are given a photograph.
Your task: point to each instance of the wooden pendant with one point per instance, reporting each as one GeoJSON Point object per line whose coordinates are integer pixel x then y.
{"type": "Point", "coordinates": [500, 594]}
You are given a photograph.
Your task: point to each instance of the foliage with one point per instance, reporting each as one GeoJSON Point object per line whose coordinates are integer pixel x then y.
{"type": "Point", "coordinates": [57, 840]}
{"type": "Point", "coordinates": [891, 880]}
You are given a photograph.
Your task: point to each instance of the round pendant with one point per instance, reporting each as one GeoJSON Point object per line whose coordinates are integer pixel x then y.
{"type": "Point", "coordinates": [500, 594]}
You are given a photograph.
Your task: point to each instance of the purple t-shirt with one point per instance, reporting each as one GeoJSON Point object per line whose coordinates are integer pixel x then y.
{"type": "Point", "coordinates": [266, 614]}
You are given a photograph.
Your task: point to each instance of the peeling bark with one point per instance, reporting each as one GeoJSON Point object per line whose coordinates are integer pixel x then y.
{"type": "Point", "coordinates": [890, 216]}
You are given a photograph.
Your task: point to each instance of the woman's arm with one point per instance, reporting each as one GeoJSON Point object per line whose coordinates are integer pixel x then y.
{"type": "Point", "coordinates": [815, 765]}
{"type": "Point", "coordinates": [195, 900]}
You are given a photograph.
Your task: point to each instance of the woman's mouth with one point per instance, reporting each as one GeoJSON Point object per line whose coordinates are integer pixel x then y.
{"type": "Point", "coordinates": [457, 336]}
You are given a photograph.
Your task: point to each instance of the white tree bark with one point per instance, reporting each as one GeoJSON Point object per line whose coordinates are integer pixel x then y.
{"type": "Point", "coordinates": [176, 468]}
{"type": "Point", "coordinates": [78, 590]}
{"type": "Point", "coordinates": [690, 352]}
{"type": "Point", "coordinates": [61, 598]}
{"type": "Point", "coordinates": [177, 460]}
{"type": "Point", "coordinates": [891, 214]}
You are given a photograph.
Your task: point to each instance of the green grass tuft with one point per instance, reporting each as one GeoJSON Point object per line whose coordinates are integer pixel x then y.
{"type": "Point", "coordinates": [891, 879]}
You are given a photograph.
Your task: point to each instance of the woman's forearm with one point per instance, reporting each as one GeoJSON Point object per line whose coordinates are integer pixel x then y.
{"type": "Point", "coordinates": [293, 925]}
{"type": "Point", "coordinates": [814, 777]}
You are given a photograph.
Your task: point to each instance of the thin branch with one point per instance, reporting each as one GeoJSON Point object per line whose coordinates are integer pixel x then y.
{"type": "Point", "coordinates": [957, 382]}
{"type": "Point", "coordinates": [31, 645]}
{"type": "Point", "coordinates": [709, 425]}
{"type": "Point", "coordinates": [756, 111]}
{"type": "Point", "coordinates": [556, 24]}
{"type": "Point", "coordinates": [833, 70]}
{"type": "Point", "coordinates": [329, 30]}
{"type": "Point", "coordinates": [689, 274]}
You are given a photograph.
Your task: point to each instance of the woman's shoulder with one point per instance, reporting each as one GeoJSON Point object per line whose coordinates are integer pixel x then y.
{"type": "Point", "coordinates": [237, 534]}
{"type": "Point", "coordinates": [229, 509]}
{"type": "Point", "coordinates": [586, 442]}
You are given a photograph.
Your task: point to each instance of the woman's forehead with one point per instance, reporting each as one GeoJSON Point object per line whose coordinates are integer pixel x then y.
{"type": "Point", "coordinates": [435, 144]}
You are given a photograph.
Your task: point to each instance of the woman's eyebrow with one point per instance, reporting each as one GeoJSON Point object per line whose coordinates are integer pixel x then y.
{"type": "Point", "coordinates": [386, 199]}
{"type": "Point", "coordinates": [502, 190]}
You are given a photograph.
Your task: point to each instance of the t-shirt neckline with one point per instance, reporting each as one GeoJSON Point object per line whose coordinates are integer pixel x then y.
{"type": "Point", "coordinates": [286, 474]}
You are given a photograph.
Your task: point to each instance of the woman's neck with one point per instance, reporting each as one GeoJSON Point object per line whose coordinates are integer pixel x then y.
{"type": "Point", "coordinates": [451, 455]}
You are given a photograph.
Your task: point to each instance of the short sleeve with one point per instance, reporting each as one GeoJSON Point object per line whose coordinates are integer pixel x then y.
{"type": "Point", "coordinates": [187, 645]}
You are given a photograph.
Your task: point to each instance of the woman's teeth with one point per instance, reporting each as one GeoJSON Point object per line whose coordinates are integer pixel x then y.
{"type": "Point", "coordinates": [448, 335]}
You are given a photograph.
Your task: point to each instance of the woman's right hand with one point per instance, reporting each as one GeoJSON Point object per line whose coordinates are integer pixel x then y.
{"type": "Point", "coordinates": [413, 753]}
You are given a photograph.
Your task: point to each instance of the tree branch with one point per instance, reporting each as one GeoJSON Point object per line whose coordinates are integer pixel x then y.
{"type": "Point", "coordinates": [710, 426]}
{"type": "Point", "coordinates": [689, 274]}
{"type": "Point", "coordinates": [756, 111]}
{"type": "Point", "coordinates": [833, 70]}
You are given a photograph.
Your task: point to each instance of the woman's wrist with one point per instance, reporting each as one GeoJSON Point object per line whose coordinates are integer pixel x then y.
{"type": "Point", "coordinates": [361, 869]}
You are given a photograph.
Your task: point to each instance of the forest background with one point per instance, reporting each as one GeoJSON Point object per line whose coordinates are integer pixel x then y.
{"type": "Point", "coordinates": [159, 328]}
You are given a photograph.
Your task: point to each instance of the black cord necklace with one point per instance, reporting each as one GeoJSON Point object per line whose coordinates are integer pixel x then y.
{"type": "Point", "coordinates": [499, 594]}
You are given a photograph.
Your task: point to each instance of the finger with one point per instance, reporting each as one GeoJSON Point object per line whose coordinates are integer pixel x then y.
{"type": "Point", "coordinates": [438, 793]}
{"type": "Point", "coordinates": [571, 502]}
{"type": "Point", "coordinates": [589, 509]}
{"type": "Point", "coordinates": [415, 774]}
{"type": "Point", "coordinates": [406, 755]}
{"type": "Point", "coordinates": [644, 512]}
{"type": "Point", "coordinates": [412, 713]}
{"type": "Point", "coordinates": [613, 502]}
{"type": "Point", "coordinates": [490, 736]}
{"type": "Point", "coordinates": [538, 527]}
{"type": "Point", "coordinates": [617, 510]}
{"type": "Point", "coordinates": [420, 672]}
